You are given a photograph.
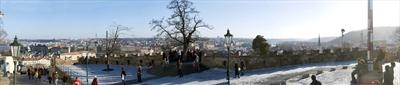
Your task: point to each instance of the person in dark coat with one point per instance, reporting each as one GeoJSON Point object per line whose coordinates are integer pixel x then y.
{"type": "Point", "coordinates": [315, 81]}
{"type": "Point", "coordinates": [49, 78]}
{"type": "Point", "coordinates": [64, 79]}
{"type": "Point", "coordinates": [237, 69]}
{"type": "Point", "coordinates": [95, 81]}
{"type": "Point", "coordinates": [180, 70]}
{"type": "Point", "coordinates": [388, 76]}
{"type": "Point", "coordinates": [139, 73]}
{"type": "Point", "coordinates": [123, 76]}
{"type": "Point", "coordinates": [29, 74]}
{"type": "Point", "coordinates": [392, 67]}
{"type": "Point", "coordinates": [242, 68]}
{"type": "Point", "coordinates": [200, 56]}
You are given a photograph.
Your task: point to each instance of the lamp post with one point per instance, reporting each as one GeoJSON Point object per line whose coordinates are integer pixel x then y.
{"type": "Point", "coordinates": [15, 49]}
{"type": "Point", "coordinates": [15, 63]}
{"type": "Point", "coordinates": [228, 43]}
{"type": "Point", "coordinates": [342, 39]}
{"type": "Point", "coordinates": [87, 62]}
{"type": "Point", "coordinates": [370, 36]}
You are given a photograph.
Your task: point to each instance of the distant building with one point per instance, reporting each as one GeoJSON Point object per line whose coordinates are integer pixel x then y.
{"type": "Point", "coordinates": [39, 50]}
{"type": "Point", "coordinates": [77, 55]}
{"type": "Point", "coordinates": [8, 64]}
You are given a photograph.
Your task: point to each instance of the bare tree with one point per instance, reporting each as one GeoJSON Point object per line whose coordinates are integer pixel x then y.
{"type": "Point", "coordinates": [113, 43]}
{"type": "Point", "coordinates": [396, 36]}
{"type": "Point", "coordinates": [3, 34]}
{"type": "Point", "coordinates": [182, 26]}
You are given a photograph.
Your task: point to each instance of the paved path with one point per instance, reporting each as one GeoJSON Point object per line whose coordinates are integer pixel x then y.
{"type": "Point", "coordinates": [4, 81]}
{"type": "Point", "coordinates": [24, 80]}
{"type": "Point", "coordinates": [134, 81]}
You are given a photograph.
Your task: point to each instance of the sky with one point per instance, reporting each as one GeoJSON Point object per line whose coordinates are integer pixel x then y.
{"type": "Point", "coordinates": [74, 19]}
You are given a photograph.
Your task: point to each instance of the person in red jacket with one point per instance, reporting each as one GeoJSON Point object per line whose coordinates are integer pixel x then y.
{"type": "Point", "coordinates": [76, 81]}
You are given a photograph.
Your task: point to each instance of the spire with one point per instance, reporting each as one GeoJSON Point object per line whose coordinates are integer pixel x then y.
{"type": "Point", "coordinates": [15, 42]}
{"type": "Point", "coordinates": [319, 40]}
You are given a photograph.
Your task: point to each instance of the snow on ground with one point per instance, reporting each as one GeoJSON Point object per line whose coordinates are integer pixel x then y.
{"type": "Point", "coordinates": [342, 77]}
{"type": "Point", "coordinates": [338, 77]}
{"type": "Point", "coordinates": [217, 76]}
{"type": "Point", "coordinates": [102, 76]}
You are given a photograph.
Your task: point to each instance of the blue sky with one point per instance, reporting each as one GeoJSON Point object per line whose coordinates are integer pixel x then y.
{"type": "Point", "coordinates": [72, 19]}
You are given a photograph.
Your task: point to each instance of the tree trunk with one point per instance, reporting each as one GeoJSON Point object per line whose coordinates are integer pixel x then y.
{"type": "Point", "coordinates": [108, 63]}
{"type": "Point", "coordinates": [185, 50]}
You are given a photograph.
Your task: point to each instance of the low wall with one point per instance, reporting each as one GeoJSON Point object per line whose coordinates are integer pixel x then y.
{"type": "Point", "coordinates": [255, 62]}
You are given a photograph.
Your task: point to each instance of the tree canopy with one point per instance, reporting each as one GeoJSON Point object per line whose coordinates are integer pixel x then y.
{"type": "Point", "coordinates": [260, 45]}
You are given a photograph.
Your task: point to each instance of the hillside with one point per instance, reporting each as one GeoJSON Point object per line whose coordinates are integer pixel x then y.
{"type": "Point", "coordinates": [356, 37]}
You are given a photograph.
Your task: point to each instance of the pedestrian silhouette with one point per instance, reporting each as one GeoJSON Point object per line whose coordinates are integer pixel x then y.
{"type": "Point", "coordinates": [315, 81]}
{"type": "Point", "coordinates": [95, 81]}
{"type": "Point", "coordinates": [388, 76]}
{"type": "Point", "coordinates": [180, 69]}
{"type": "Point", "coordinates": [123, 75]}
{"type": "Point", "coordinates": [139, 73]}
{"type": "Point", "coordinates": [237, 69]}
{"type": "Point", "coordinates": [76, 81]}
{"type": "Point", "coordinates": [242, 68]}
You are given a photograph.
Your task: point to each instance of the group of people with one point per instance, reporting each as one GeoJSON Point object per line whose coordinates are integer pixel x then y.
{"type": "Point", "coordinates": [388, 75]}
{"type": "Point", "coordinates": [239, 70]}
{"type": "Point", "coordinates": [36, 73]}
{"type": "Point", "coordinates": [192, 55]}
{"type": "Point", "coordinates": [387, 80]}
{"type": "Point", "coordinates": [53, 78]}
{"type": "Point", "coordinates": [76, 81]}
{"type": "Point", "coordinates": [139, 74]}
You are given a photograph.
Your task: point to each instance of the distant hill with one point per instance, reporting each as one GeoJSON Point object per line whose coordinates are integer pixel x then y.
{"type": "Point", "coordinates": [355, 38]}
{"type": "Point", "coordinates": [323, 39]}
{"type": "Point", "coordinates": [279, 41]}
{"type": "Point", "coordinates": [379, 34]}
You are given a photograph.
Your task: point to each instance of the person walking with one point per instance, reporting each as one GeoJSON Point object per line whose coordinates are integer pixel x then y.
{"type": "Point", "coordinates": [392, 68]}
{"type": "Point", "coordinates": [40, 72]}
{"type": "Point", "coordinates": [95, 81]}
{"type": "Point", "coordinates": [29, 74]}
{"type": "Point", "coordinates": [242, 68]}
{"type": "Point", "coordinates": [314, 80]}
{"type": "Point", "coordinates": [64, 79]}
{"type": "Point", "coordinates": [49, 78]}
{"type": "Point", "coordinates": [197, 63]}
{"type": "Point", "coordinates": [36, 74]}
{"type": "Point", "coordinates": [55, 78]}
{"type": "Point", "coordinates": [237, 69]}
{"type": "Point", "coordinates": [76, 81]}
{"type": "Point", "coordinates": [139, 73]}
{"type": "Point", "coordinates": [123, 75]}
{"type": "Point", "coordinates": [388, 76]}
{"type": "Point", "coordinates": [179, 64]}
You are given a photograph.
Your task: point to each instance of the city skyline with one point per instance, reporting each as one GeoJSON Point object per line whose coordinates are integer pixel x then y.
{"type": "Point", "coordinates": [64, 19]}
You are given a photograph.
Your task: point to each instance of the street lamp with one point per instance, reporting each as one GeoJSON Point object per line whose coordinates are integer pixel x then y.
{"type": "Point", "coordinates": [228, 43]}
{"type": "Point", "coordinates": [15, 49]}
